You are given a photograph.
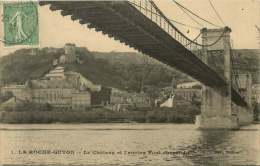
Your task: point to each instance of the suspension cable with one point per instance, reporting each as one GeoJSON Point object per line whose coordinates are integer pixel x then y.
{"type": "Point", "coordinates": [162, 15]}
{"type": "Point", "coordinates": [211, 44]}
{"type": "Point", "coordinates": [194, 40]}
{"type": "Point", "coordinates": [172, 20]}
{"type": "Point", "coordinates": [180, 23]}
{"type": "Point", "coordinates": [218, 15]}
{"type": "Point", "coordinates": [196, 14]}
{"type": "Point", "coordinates": [190, 16]}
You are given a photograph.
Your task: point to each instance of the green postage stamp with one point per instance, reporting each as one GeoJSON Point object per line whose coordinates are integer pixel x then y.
{"type": "Point", "coordinates": [21, 23]}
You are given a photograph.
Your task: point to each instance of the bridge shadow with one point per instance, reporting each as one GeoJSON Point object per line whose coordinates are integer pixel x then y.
{"type": "Point", "coordinates": [210, 148]}
{"type": "Point", "coordinates": [216, 147]}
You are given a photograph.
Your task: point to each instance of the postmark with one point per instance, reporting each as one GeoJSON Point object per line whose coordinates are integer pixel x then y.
{"type": "Point", "coordinates": [21, 23]}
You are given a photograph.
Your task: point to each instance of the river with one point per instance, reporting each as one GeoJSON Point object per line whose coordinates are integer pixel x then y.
{"type": "Point", "coordinates": [127, 144]}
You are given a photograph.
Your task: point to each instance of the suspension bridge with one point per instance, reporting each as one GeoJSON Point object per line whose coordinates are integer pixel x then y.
{"type": "Point", "coordinates": [141, 24]}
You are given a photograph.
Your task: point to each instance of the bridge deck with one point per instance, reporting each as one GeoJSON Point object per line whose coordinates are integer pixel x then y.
{"type": "Point", "coordinates": [125, 23]}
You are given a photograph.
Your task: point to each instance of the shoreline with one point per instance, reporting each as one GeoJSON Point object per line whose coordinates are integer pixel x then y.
{"type": "Point", "coordinates": [101, 116]}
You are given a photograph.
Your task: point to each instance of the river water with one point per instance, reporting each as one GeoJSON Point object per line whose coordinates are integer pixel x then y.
{"type": "Point", "coordinates": [127, 144]}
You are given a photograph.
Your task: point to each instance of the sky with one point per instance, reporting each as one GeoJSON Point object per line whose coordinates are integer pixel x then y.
{"type": "Point", "coordinates": [240, 15]}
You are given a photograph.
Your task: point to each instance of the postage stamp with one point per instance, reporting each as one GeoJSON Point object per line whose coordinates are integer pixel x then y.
{"type": "Point", "coordinates": [21, 23]}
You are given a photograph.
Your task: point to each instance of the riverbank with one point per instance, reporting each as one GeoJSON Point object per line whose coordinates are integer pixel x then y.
{"type": "Point", "coordinates": [156, 115]}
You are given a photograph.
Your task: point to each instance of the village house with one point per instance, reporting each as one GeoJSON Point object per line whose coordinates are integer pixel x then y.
{"type": "Point", "coordinates": [118, 96]}
{"type": "Point", "coordinates": [120, 100]}
{"type": "Point", "coordinates": [189, 85]}
{"type": "Point", "coordinates": [183, 94]}
{"type": "Point", "coordinates": [69, 89]}
{"type": "Point", "coordinates": [189, 94]}
{"type": "Point", "coordinates": [256, 93]}
{"type": "Point", "coordinates": [57, 93]}
{"type": "Point", "coordinates": [19, 91]}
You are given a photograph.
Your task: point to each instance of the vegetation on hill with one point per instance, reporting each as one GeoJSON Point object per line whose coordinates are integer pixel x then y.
{"type": "Point", "coordinates": [26, 64]}
{"type": "Point", "coordinates": [248, 60]}
{"type": "Point", "coordinates": [128, 71]}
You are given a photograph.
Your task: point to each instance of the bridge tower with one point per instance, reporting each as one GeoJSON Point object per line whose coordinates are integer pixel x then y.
{"type": "Point", "coordinates": [216, 111]}
{"type": "Point", "coordinates": [245, 114]}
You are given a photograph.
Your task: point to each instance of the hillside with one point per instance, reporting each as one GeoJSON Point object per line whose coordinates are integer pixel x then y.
{"type": "Point", "coordinates": [22, 65]}
{"type": "Point", "coordinates": [125, 58]}
{"type": "Point", "coordinates": [114, 69]}
{"type": "Point", "coordinates": [248, 60]}
{"type": "Point", "coordinates": [125, 74]}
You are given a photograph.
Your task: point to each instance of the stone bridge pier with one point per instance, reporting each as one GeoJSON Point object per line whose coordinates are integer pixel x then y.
{"type": "Point", "coordinates": [245, 114]}
{"type": "Point", "coordinates": [217, 110]}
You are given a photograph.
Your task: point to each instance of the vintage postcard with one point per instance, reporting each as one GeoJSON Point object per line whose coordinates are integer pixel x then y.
{"type": "Point", "coordinates": [133, 83]}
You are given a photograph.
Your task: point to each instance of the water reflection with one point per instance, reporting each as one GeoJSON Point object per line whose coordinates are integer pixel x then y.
{"type": "Point", "coordinates": [220, 147]}
{"type": "Point", "coordinates": [209, 150]}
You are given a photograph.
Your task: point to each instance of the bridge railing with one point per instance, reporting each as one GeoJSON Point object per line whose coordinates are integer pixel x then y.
{"type": "Point", "coordinates": [149, 9]}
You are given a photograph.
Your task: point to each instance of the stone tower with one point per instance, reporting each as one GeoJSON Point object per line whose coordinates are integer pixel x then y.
{"type": "Point", "coordinates": [216, 110]}
{"type": "Point", "coordinates": [70, 49]}
{"type": "Point", "coordinates": [69, 54]}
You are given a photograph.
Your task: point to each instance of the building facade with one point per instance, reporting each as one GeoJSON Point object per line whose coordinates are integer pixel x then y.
{"type": "Point", "coordinates": [57, 88]}
{"type": "Point", "coordinates": [19, 91]}
{"type": "Point", "coordinates": [256, 93]}
{"type": "Point", "coordinates": [189, 85]}
{"type": "Point", "coordinates": [56, 74]}
{"type": "Point", "coordinates": [189, 94]}
{"type": "Point", "coordinates": [80, 100]}
{"type": "Point", "coordinates": [71, 90]}
{"type": "Point", "coordinates": [120, 100]}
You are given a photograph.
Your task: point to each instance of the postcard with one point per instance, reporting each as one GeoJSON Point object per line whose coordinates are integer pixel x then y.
{"type": "Point", "coordinates": [131, 83]}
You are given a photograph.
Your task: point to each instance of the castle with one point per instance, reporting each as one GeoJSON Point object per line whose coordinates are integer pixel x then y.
{"type": "Point", "coordinates": [70, 90]}
{"type": "Point", "coordinates": [57, 88]}
{"type": "Point", "coordinates": [68, 56]}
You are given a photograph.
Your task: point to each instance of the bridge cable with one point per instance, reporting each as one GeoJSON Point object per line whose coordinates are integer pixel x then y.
{"type": "Point", "coordinates": [190, 16]}
{"type": "Point", "coordinates": [163, 16]}
{"type": "Point", "coordinates": [172, 20]}
{"type": "Point", "coordinates": [186, 25]}
{"type": "Point", "coordinates": [194, 40]}
{"type": "Point", "coordinates": [206, 45]}
{"type": "Point", "coordinates": [196, 14]}
{"type": "Point", "coordinates": [215, 10]}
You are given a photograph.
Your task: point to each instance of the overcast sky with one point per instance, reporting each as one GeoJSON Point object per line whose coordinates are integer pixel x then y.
{"type": "Point", "coordinates": [240, 15]}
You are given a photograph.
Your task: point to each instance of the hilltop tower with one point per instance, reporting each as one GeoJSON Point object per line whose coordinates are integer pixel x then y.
{"type": "Point", "coordinates": [69, 54]}
{"type": "Point", "coordinates": [70, 49]}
